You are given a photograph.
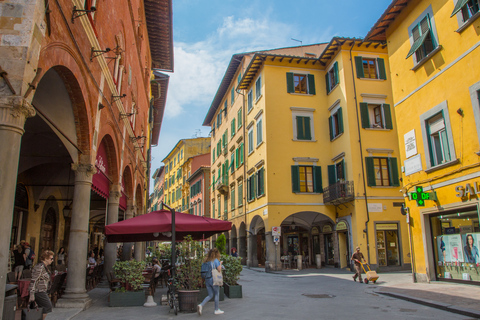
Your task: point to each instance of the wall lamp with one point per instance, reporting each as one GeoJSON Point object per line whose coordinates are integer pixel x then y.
{"type": "Point", "coordinates": [137, 138]}
{"type": "Point", "coordinates": [95, 53]}
{"type": "Point", "coordinates": [78, 13]}
{"type": "Point", "coordinates": [115, 98]}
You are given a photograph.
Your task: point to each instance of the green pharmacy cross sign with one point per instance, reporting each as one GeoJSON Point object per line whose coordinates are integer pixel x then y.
{"type": "Point", "coordinates": [420, 196]}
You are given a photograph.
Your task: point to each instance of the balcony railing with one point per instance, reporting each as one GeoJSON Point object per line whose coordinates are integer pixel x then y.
{"type": "Point", "coordinates": [338, 193]}
{"type": "Point", "coordinates": [222, 185]}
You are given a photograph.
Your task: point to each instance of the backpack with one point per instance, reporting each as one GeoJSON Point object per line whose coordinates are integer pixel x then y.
{"type": "Point", "coordinates": [31, 255]}
{"type": "Point", "coordinates": [206, 270]}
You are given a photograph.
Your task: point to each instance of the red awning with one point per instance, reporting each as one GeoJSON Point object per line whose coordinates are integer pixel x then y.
{"type": "Point", "coordinates": [100, 181]}
{"type": "Point", "coordinates": [123, 202]}
{"type": "Point", "coordinates": [157, 225]}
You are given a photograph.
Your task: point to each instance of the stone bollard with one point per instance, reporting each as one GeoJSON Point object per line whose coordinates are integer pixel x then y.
{"type": "Point", "coordinates": [318, 260]}
{"type": "Point", "coordinates": [299, 262]}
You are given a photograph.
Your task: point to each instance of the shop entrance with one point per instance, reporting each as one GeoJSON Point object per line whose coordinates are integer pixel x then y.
{"type": "Point", "coordinates": [387, 246]}
{"type": "Point", "coordinates": [343, 249]}
{"type": "Point", "coordinates": [329, 250]}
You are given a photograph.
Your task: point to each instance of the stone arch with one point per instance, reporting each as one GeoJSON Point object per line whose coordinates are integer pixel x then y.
{"type": "Point", "coordinates": [112, 159]}
{"type": "Point", "coordinates": [139, 199]}
{"type": "Point", "coordinates": [128, 181]}
{"type": "Point", "coordinates": [256, 224]}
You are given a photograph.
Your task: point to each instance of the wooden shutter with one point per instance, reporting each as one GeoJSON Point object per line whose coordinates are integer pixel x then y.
{"type": "Point", "coordinates": [311, 84]}
{"type": "Point", "coordinates": [249, 187]}
{"type": "Point", "coordinates": [300, 128]}
{"type": "Point", "coordinates": [335, 70]}
{"type": "Point", "coordinates": [290, 84]}
{"type": "Point", "coordinates": [237, 159]}
{"type": "Point", "coordinates": [340, 120]}
{"type": "Point", "coordinates": [327, 83]}
{"type": "Point", "coordinates": [317, 179]}
{"type": "Point", "coordinates": [330, 127]}
{"type": "Point", "coordinates": [381, 69]}
{"type": "Point", "coordinates": [393, 172]}
{"type": "Point", "coordinates": [371, 180]}
{"type": "Point", "coordinates": [359, 67]}
{"type": "Point", "coordinates": [332, 175]}
{"type": "Point", "coordinates": [242, 151]}
{"type": "Point", "coordinates": [308, 132]}
{"type": "Point", "coordinates": [365, 115]}
{"type": "Point", "coordinates": [260, 182]}
{"type": "Point", "coordinates": [295, 179]}
{"type": "Point", "coordinates": [388, 116]}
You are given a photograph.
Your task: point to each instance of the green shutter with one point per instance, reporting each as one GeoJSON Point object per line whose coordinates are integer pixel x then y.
{"type": "Point", "coordinates": [249, 188]}
{"type": "Point", "coordinates": [254, 186]}
{"type": "Point", "coordinates": [381, 69]}
{"type": "Point", "coordinates": [240, 194]}
{"type": "Point", "coordinates": [365, 115]}
{"type": "Point", "coordinates": [311, 84]}
{"type": "Point", "coordinates": [300, 128]}
{"type": "Point", "coordinates": [340, 120]}
{"type": "Point", "coordinates": [237, 158]}
{"type": "Point", "coordinates": [458, 7]}
{"type": "Point", "coordinates": [393, 172]}
{"type": "Point", "coordinates": [295, 179]}
{"type": "Point", "coordinates": [330, 127]}
{"type": "Point", "coordinates": [359, 67]}
{"type": "Point", "coordinates": [416, 45]}
{"type": "Point", "coordinates": [262, 181]}
{"type": "Point", "coordinates": [388, 116]}
{"type": "Point", "coordinates": [371, 180]}
{"type": "Point", "coordinates": [335, 69]}
{"type": "Point", "coordinates": [317, 179]}
{"type": "Point", "coordinates": [290, 84]}
{"type": "Point", "coordinates": [342, 164]}
{"type": "Point", "coordinates": [327, 83]}
{"type": "Point", "coordinates": [242, 151]}
{"type": "Point", "coordinates": [308, 132]}
{"type": "Point", "coordinates": [446, 148]}
{"type": "Point", "coordinates": [332, 179]}
{"type": "Point", "coordinates": [232, 159]}
{"type": "Point", "coordinates": [233, 96]}
{"type": "Point", "coordinates": [232, 199]}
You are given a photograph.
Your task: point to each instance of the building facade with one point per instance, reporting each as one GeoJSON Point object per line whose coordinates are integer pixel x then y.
{"type": "Point", "coordinates": [158, 189]}
{"type": "Point", "coordinates": [433, 48]}
{"type": "Point", "coordinates": [198, 185]}
{"type": "Point", "coordinates": [305, 142]}
{"type": "Point", "coordinates": [78, 110]}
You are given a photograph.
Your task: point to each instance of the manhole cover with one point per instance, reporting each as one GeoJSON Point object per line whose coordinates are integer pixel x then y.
{"type": "Point", "coordinates": [318, 296]}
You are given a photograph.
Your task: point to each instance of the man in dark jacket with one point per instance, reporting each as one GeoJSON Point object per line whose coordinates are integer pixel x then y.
{"type": "Point", "coordinates": [357, 258]}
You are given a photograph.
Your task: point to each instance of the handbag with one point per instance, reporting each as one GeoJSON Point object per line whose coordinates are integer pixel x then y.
{"type": "Point", "coordinates": [217, 276]}
{"type": "Point", "coordinates": [33, 312]}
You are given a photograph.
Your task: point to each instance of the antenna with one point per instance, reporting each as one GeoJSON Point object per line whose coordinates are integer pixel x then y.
{"type": "Point", "coordinates": [301, 42]}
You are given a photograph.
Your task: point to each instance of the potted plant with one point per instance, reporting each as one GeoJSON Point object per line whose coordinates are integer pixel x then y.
{"type": "Point", "coordinates": [131, 293]}
{"type": "Point", "coordinates": [231, 275]}
{"type": "Point", "coordinates": [188, 278]}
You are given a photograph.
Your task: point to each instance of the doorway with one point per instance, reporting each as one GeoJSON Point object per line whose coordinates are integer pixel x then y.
{"type": "Point", "coordinates": [49, 231]}
{"type": "Point", "coordinates": [329, 250]}
{"type": "Point", "coordinates": [388, 250]}
{"type": "Point", "coordinates": [343, 249]}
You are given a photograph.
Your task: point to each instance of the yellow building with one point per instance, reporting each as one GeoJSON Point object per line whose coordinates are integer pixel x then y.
{"type": "Point", "coordinates": [303, 140]}
{"type": "Point", "coordinates": [433, 50]}
{"type": "Point", "coordinates": [175, 175]}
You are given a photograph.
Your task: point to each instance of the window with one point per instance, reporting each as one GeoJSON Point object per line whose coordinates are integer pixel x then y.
{"type": "Point", "coordinates": [376, 116]}
{"type": "Point", "coordinates": [468, 9]}
{"type": "Point", "coordinates": [306, 179]}
{"type": "Point", "coordinates": [239, 118]}
{"type": "Point", "coordinates": [437, 136]}
{"type": "Point", "coordinates": [219, 119]}
{"type": "Point", "coordinates": [422, 36]}
{"type": "Point", "coordinates": [300, 83]}
{"type": "Point", "coordinates": [213, 209]}
{"type": "Point", "coordinates": [240, 194]}
{"type": "Point", "coordinates": [232, 198]}
{"type": "Point", "coordinates": [232, 162]}
{"type": "Point", "coordinates": [335, 123]}
{"type": "Point", "coordinates": [303, 128]}
{"type": "Point", "coordinates": [251, 186]}
{"type": "Point", "coordinates": [260, 180]}
{"type": "Point", "coordinates": [200, 208]}
{"type": "Point", "coordinates": [219, 148]}
{"type": "Point", "coordinates": [225, 104]}
{"type": "Point", "coordinates": [250, 140]}
{"type": "Point", "coordinates": [382, 171]}
{"type": "Point", "coordinates": [213, 155]}
{"type": "Point", "coordinates": [336, 172]}
{"type": "Point", "coordinates": [239, 78]}
{"type": "Point", "coordinates": [250, 101]}
{"type": "Point", "coordinates": [259, 130]}
{"type": "Point", "coordinates": [181, 154]}
{"type": "Point", "coordinates": [332, 78]}
{"type": "Point", "coordinates": [232, 100]}
{"type": "Point", "coordinates": [370, 68]}
{"type": "Point", "coordinates": [258, 88]}
{"type": "Point", "coordinates": [239, 155]}
{"type": "Point", "coordinates": [232, 127]}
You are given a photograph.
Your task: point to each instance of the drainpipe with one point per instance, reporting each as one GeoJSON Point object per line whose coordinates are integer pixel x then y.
{"type": "Point", "coordinates": [361, 154]}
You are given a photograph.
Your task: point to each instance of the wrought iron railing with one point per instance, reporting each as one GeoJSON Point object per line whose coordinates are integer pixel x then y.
{"type": "Point", "coordinates": [338, 193]}
{"type": "Point", "coordinates": [222, 184]}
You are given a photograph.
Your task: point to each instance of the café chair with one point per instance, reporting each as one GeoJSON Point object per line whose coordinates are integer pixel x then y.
{"type": "Point", "coordinates": [112, 282]}
{"type": "Point", "coordinates": [27, 274]}
{"type": "Point", "coordinates": [11, 278]}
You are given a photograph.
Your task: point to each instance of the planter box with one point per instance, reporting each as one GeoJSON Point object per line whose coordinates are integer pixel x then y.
{"type": "Point", "coordinates": [126, 299]}
{"type": "Point", "coordinates": [233, 292]}
{"type": "Point", "coordinates": [187, 300]}
{"type": "Point", "coordinates": [204, 293]}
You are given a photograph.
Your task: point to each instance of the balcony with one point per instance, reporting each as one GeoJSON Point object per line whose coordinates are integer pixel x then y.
{"type": "Point", "coordinates": [222, 185]}
{"type": "Point", "coordinates": [225, 151]}
{"type": "Point", "coordinates": [339, 193]}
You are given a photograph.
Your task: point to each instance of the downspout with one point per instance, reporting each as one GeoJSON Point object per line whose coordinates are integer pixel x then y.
{"type": "Point", "coordinates": [361, 154]}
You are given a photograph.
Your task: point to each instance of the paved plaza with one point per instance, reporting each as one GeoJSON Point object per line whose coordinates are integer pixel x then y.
{"type": "Point", "coordinates": [310, 294]}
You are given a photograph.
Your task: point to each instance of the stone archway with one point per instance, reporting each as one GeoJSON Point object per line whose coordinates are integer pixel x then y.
{"type": "Point", "coordinates": [242, 243]}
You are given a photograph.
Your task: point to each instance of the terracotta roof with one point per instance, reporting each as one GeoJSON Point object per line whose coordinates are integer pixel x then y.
{"type": "Point", "coordinates": [337, 42]}
{"type": "Point", "coordinates": [158, 14]}
{"type": "Point", "coordinates": [159, 86]}
{"type": "Point", "coordinates": [378, 30]}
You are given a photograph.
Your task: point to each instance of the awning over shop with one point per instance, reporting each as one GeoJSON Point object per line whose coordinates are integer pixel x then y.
{"type": "Point", "coordinates": [100, 180]}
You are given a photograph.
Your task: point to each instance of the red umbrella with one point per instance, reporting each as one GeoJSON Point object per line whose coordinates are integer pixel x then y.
{"type": "Point", "coordinates": [157, 225]}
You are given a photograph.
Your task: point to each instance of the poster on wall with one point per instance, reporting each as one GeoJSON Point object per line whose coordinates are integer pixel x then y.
{"type": "Point", "coordinates": [450, 248]}
{"type": "Point", "coordinates": [471, 243]}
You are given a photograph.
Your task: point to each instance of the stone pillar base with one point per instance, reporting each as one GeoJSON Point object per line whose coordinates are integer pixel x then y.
{"type": "Point", "coordinates": [74, 302]}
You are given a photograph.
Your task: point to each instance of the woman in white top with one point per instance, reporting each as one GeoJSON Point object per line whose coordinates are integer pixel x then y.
{"type": "Point", "coordinates": [61, 255]}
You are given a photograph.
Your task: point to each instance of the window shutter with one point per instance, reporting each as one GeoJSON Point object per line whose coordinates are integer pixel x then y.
{"type": "Point", "coordinates": [311, 84]}
{"type": "Point", "coordinates": [300, 128]}
{"type": "Point", "coordinates": [446, 148]}
{"type": "Point", "coordinates": [236, 157]}
{"type": "Point", "coordinates": [371, 181]}
{"type": "Point", "coordinates": [242, 151]}
{"type": "Point", "coordinates": [232, 199]}
{"type": "Point", "coordinates": [308, 133]}
{"type": "Point", "coordinates": [381, 69]}
{"type": "Point", "coordinates": [365, 115]}
{"type": "Point", "coordinates": [393, 172]}
{"type": "Point", "coordinates": [332, 179]}
{"type": "Point", "coordinates": [335, 69]}
{"type": "Point", "coordinates": [248, 189]}
{"type": "Point", "coordinates": [342, 164]}
{"type": "Point", "coordinates": [359, 66]}
{"type": "Point", "coordinates": [295, 179]}
{"type": "Point", "coordinates": [388, 116]}
{"type": "Point", "coordinates": [317, 179]}
{"type": "Point", "coordinates": [233, 96]}
{"type": "Point", "coordinates": [340, 120]}
{"type": "Point", "coordinates": [330, 127]}
{"type": "Point", "coordinates": [327, 83]}
{"type": "Point", "coordinates": [290, 85]}
{"type": "Point", "coordinates": [260, 183]}
{"type": "Point", "coordinates": [254, 186]}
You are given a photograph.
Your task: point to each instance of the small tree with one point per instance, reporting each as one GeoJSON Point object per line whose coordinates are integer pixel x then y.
{"type": "Point", "coordinates": [130, 274]}
{"type": "Point", "coordinates": [188, 273]}
{"type": "Point", "coordinates": [221, 243]}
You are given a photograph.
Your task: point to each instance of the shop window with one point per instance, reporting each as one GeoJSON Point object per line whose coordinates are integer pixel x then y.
{"type": "Point", "coordinates": [300, 83]}
{"type": "Point", "coordinates": [382, 171]}
{"type": "Point", "coordinates": [376, 116]}
{"type": "Point", "coordinates": [387, 245]}
{"type": "Point", "coordinates": [370, 68]}
{"type": "Point", "coordinates": [306, 179]}
{"type": "Point", "coordinates": [332, 78]}
{"type": "Point", "coordinates": [335, 124]}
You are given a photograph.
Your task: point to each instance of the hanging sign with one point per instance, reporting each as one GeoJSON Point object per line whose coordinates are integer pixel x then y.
{"type": "Point", "coordinates": [276, 231]}
{"type": "Point", "coordinates": [327, 228]}
{"type": "Point", "coordinates": [420, 196]}
{"type": "Point", "coordinates": [342, 225]}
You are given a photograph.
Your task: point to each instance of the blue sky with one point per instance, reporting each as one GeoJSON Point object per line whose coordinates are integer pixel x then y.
{"type": "Point", "coordinates": [207, 33]}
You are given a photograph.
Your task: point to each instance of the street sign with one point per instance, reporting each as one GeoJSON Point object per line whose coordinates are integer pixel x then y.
{"type": "Point", "coordinates": [276, 239]}
{"type": "Point", "coordinates": [276, 231]}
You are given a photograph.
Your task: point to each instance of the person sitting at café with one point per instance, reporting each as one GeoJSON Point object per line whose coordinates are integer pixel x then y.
{"type": "Point", "coordinates": [157, 270]}
{"type": "Point", "coordinates": [234, 252]}
{"type": "Point", "coordinates": [40, 283]}
{"type": "Point", "coordinates": [19, 262]}
{"type": "Point", "coordinates": [92, 262]}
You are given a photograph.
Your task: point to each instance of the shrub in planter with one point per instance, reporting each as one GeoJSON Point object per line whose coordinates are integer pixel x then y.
{"type": "Point", "coordinates": [221, 243]}
{"type": "Point", "coordinates": [131, 293]}
{"type": "Point", "coordinates": [231, 275]}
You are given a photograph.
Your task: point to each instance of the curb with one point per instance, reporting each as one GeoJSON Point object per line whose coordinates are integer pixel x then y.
{"type": "Point", "coordinates": [434, 304]}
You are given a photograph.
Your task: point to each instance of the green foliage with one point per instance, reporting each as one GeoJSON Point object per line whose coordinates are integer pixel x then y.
{"type": "Point", "coordinates": [233, 267]}
{"type": "Point", "coordinates": [188, 273]}
{"type": "Point", "coordinates": [221, 243]}
{"type": "Point", "coordinates": [163, 251]}
{"type": "Point", "coordinates": [130, 273]}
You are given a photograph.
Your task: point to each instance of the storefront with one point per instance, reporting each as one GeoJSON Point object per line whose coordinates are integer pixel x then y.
{"type": "Point", "coordinates": [327, 231]}
{"type": "Point", "coordinates": [387, 244]}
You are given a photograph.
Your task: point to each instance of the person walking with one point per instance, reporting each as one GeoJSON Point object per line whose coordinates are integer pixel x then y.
{"type": "Point", "coordinates": [27, 255]}
{"type": "Point", "coordinates": [213, 257]}
{"type": "Point", "coordinates": [357, 258]}
{"type": "Point", "coordinates": [61, 255]}
{"type": "Point", "coordinates": [40, 283]}
{"type": "Point", "coordinates": [19, 262]}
